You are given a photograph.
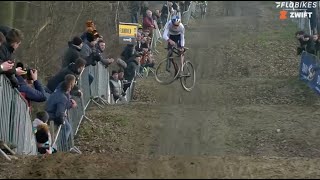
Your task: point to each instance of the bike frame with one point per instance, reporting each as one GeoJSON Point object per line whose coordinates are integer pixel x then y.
{"type": "Point", "coordinates": [180, 54]}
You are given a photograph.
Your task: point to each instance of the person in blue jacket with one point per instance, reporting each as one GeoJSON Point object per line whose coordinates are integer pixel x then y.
{"type": "Point", "coordinates": [57, 105]}
{"type": "Point", "coordinates": [30, 87]}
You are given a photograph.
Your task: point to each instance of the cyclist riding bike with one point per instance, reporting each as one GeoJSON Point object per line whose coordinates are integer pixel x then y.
{"type": "Point", "coordinates": [174, 35]}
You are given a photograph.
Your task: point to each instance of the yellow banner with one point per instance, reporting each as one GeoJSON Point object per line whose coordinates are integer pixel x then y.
{"type": "Point", "coordinates": [127, 30]}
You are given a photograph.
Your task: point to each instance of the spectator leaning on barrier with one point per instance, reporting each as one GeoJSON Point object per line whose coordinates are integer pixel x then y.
{"type": "Point", "coordinates": [74, 69]}
{"type": "Point", "coordinates": [30, 87]}
{"type": "Point", "coordinates": [71, 79]}
{"type": "Point", "coordinates": [58, 104]}
{"type": "Point", "coordinates": [7, 49]}
{"type": "Point", "coordinates": [5, 66]}
{"type": "Point", "coordinates": [101, 46]}
{"type": "Point", "coordinates": [89, 52]}
{"type": "Point", "coordinates": [73, 51]}
{"type": "Point", "coordinates": [132, 68]}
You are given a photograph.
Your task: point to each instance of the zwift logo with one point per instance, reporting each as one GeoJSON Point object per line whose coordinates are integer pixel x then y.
{"type": "Point", "coordinates": [294, 9]}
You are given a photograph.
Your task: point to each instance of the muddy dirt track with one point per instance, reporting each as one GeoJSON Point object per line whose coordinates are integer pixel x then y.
{"type": "Point", "coordinates": [248, 116]}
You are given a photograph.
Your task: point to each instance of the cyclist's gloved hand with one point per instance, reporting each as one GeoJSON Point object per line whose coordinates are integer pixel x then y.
{"type": "Point", "coordinates": [172, 43]}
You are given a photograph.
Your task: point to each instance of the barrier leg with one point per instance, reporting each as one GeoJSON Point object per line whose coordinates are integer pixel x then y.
{"type": "Point", "coordinates": [4, 155]}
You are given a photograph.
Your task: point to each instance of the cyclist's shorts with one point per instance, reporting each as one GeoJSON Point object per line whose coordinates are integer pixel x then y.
{"type": "Point", "coordinates": [176, 39]}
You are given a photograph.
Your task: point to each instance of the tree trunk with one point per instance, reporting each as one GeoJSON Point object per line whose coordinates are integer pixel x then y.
{"type": "Point", "coordinates": [6, 13]}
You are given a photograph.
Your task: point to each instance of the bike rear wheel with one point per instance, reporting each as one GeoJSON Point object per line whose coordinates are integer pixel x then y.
{"type": "Point", "coordinates": [188, 79]}
{"type": "Point", "coordinates": [163, 76]}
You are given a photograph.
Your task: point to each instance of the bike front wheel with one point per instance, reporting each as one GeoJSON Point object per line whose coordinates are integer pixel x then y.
{"type": "Point", "coordinates": [166, 73]}
{"type": "Point", "coordinates": [188, 79]}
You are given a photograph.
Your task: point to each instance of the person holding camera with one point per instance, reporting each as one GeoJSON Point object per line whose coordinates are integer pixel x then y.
{"type": "Point", "coordinates": [30, 87]}
{"type": "Point", "coordinates": [9, 45]}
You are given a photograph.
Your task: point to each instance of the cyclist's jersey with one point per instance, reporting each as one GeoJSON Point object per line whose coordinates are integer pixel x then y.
{"type": "Point", "coordinates": [169, 30]}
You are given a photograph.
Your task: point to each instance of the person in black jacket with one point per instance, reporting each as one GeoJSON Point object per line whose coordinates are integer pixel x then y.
{"type": "Point", "coordinates": [6, 65]}
{"type": "Point", "coordinates": [7, 49]}
{"type": "Point", "coordinates": [101, 46]}
{"type": "Point", "coordinates": [74, 69]}
{"type": "Point", "coordinates": [132, 68]}
{"type": "Point", "coordinates": [127, 52]}
{"type": "Point", "coordinates": [74, 52]}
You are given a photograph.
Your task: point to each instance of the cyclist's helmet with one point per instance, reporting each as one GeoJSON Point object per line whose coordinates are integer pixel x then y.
{"type": "Point", "coordinates": [176, 20]}
{"type": "Point", "coordinates": [139, 26]}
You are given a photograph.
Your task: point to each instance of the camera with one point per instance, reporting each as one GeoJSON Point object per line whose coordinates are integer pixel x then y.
{"type": "Point", "coordinates": [28, 75]}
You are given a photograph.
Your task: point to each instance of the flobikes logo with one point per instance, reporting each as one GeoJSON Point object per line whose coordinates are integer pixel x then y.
{"type": "Point", "coordinates": [295, 9]}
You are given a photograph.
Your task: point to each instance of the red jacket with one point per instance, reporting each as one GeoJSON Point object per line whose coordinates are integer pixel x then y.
{"type": "Point", "coordinates": [148, 22]}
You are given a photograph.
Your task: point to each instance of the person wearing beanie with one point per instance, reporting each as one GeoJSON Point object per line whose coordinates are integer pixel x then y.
{"type": "Point", "coordinates": [73, 52]}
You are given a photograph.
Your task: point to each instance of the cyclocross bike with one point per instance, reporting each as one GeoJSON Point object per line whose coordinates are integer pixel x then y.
{"type": "Point", "coordinates": [168, 70]}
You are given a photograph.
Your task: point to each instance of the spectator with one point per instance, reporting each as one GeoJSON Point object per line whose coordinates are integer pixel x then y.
{"type": "Point", "coordinates": [138, 46]}
{"type": "Point", "coordinates": [165, 12]}
{"type": "Point", "coordinates": [73, 69]}
{"type": "Point", "coordinates": [310, 44]}
{"type": "Point", "coordinates": [91, 29]}
{"type": "Point", "coordinates": [42, 117]}
{"type": "Point", "coordinates": [5, 66]}
{"type": "Point", "coordinates": [130, 71]}
{"type": "Point", "coordinates": [7, 49]}
{"type": "Point", "coordinates": [58, 104]}
{"type": "Point", "coordinates": [127, 52]}
{"type": "Point", "coordinates": [115, 86]}
{"type": "Point", "coordinates": [5, 29]}
{"type": "Point", "coordinates": [148, 23]}
{"type": "Point", "coordinates": [88, 50]}
{"type": "Point", "coordinates": [71, 79]}
{"type": "Point", "coordinates": [30, 87]}
{"type": "Point", "coordinates": [175, 6]}
{"type": "Point", "coordinates": [121, 74]}
{"type": "Point", "coordinates": [140, 29]}
{"type": "Point", "coordinates": [73, 51]}
{"type": "Point", "coordinates": [157, 17]}
{"type": "Point", "coordinates": [43, 139]}
{"type": "Point", "coordinates": [101, 46]}
{"type": "Point", "coordinates": [135, 8]}
{"type": "Point", "coordinates": [299, 37]}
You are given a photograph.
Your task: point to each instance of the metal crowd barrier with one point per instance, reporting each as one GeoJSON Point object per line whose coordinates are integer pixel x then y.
{"type": "Point", "coordinates": [15, 124]}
